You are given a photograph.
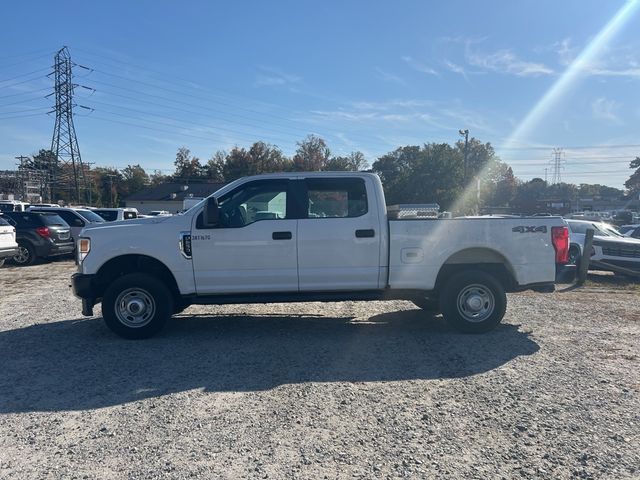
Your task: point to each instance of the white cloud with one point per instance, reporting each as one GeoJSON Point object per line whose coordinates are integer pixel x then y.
{"type": "Point", "coordinates": [455, 68]}
{"type": "Point", "coordinates": [273, 77]}
{"type": "Point", "coordinates": [418, 66]}
{"type": "Point", "coordinates": [604, 109]}
{"type": "Point", "coordinates": [390, 77]}
{"type": "Point", "coordinates": [506, 62]}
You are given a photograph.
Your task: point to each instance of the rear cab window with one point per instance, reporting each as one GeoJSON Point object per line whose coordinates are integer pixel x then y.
{"type": "Point", "coordinates": [336, 198]}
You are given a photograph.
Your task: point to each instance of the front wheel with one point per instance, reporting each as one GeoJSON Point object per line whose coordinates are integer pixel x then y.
{"type": "Point", "coordinates": [137, 306]}
{"type": "Point", "coordinates": [473, 301]}
{"type": "Point", "coordinates": [26, 255]}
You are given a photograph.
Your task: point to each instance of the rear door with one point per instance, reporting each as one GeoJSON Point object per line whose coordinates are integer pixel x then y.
{"type": "Point", "coordinates": [339, 240]}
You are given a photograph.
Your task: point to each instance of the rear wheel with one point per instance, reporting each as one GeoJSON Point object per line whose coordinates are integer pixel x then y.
{"type": "Point", "coordinates": [574, 255]}
{"type": "Point", "coordinates": [137, 306]}
{"type": "Point", "coordinates": [26, 255]}
{"type": "Point", "coordinates": [473, 301]}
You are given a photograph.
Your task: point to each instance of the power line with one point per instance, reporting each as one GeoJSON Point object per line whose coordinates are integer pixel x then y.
{"type": "Point", "coordinates": [23, 75]}
{"type": "Point", "coordinates": [48, 54]}
{"type": "Point", "coordinates": [25, 93]}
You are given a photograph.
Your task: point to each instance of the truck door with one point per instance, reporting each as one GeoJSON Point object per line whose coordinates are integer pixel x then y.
{"type": "Point", "coordinates": [339, 240]}
{"type": "Point", "coordinates": [253, 249]}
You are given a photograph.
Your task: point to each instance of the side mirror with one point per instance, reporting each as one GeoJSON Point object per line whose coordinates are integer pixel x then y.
{"type": "Point", "coordinates": [211, 212]}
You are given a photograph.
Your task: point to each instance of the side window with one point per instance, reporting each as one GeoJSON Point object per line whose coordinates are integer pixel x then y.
{"type": "Point", "coordinates": [336, 197]}
{"type": "Point", "coordinates": [255, 201]}
{"type": "Point", "coordinates": [71, 219]}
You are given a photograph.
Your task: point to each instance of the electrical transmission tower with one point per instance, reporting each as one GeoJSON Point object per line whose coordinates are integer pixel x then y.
{"type": "Point", "coordinates": [558, 160]}
{"type": "Point", "coordinates": [69, 172]}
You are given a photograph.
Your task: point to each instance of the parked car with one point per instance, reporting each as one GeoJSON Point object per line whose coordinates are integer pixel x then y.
{"type": "Point", "coordinates": [13, 206]}
{"type": "Point", "coordinates": [8, 245]}
{"type": "Point", "coordinates": [116, 214]}
{"type": "Point", "coordinates": [76, 218]}
{"type": "Point", "coordinates": [610, 247]}
{"type": "Point", "coordinates": [39, 235]}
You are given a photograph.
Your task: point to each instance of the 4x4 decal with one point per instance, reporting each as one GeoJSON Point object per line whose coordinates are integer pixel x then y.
{"type": "Point", "coordinates": [532, 229]}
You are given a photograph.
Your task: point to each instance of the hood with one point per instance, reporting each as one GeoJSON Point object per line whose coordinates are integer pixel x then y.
{"type": "Point", "coordinates": [134, 222]}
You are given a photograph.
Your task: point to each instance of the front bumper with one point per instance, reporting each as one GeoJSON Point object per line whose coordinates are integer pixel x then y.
{"type": "Point", "coordinates": [83, 286]}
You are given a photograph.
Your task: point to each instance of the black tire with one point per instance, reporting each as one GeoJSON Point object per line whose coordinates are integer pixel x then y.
{"type": "Point", "coordinates": [485, 304]}
{"type": "Point", "coordinates": [426, 304]}
{"type": "Point", "coordinates": [2, 262]}
{"type": "Point", "coordinates": [137, 306]}
{"type": "Point", "coordinates": [574, 255]}
{"type": "Point", "coordinates": [26, 255]}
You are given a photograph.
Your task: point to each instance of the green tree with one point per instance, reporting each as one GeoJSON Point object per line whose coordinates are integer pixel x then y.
{"type": "Point", "coordinates": [528, 195]}
{"type": "Point", "coordinates": [633, 183]}
{"type": "Point", "coordinates": [107, 186]}
{"type": "Point", "coordinates": [158, 178]}
{"type": "Point", "coordinates": [412, 174]}
{"type": "Point", "coordinates": [188, 168]}
{"type": "Point", "coordinates": [215, 167]}
{"type": "Point", "coordinates": [134, 179]}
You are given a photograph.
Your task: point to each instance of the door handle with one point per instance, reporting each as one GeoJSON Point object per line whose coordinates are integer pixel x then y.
{"type": "Point", "coordinates": [282, 236]}
{"type": "Point", "coordinates": [365, 233]}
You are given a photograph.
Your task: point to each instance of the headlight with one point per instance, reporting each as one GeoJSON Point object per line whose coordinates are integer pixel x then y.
{"type": "Point", "coordinates": [84, 246]}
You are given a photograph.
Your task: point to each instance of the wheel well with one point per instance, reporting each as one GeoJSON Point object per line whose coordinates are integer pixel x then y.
{"type": "Point", "coordinates": [119, 266]}
{"type": "Point", "coordinates": [482, 259]}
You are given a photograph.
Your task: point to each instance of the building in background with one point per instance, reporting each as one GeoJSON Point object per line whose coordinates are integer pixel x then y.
{"type": "Point", "coordinates": [169, 196]}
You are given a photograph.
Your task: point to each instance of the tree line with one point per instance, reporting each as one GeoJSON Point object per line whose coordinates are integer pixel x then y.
{"type": "Point", "coordinates": [465, 177]}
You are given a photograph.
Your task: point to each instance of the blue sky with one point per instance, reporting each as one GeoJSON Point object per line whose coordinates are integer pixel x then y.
{"type": "Point", "coordinates": [367, 76]}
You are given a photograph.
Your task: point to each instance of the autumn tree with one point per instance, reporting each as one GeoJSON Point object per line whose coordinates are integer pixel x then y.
{"type": "Point", "coordinates": [311, 155]}
{"type": "Point", "coordinates": [353, 162]}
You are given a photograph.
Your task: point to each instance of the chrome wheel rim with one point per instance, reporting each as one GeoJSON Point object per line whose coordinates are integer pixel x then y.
{"type": "Point", "coordinates": [475, 303]}
{"type": "Point", "coordinates": [135, 307]}
{"type": "Point", "coordinates": [22, 255]}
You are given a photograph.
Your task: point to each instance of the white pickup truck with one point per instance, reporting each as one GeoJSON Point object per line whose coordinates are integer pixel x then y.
{"type": "Point", "coordinates": [295, 237]}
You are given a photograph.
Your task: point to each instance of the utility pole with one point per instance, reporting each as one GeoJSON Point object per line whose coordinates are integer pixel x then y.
{"type": "Point", "coordinates": [545, 175]}
{"type": "Point", "coordinates": [558, 155]}
{"type": "Point", "coordinates": [465, 134]}
{"type": "Point", "coordinates": [64, 143]}
{"type": "Point", "coordinates": [22, 176]}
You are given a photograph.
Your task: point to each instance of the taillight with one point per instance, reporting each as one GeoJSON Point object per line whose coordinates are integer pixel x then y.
{"type": "Point", "coordinates": [43, 232]}
{"type": "Point", "coordinates": [560, 240]}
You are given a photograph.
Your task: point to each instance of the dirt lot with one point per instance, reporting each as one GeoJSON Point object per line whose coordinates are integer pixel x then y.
{"type": "Point", "coordinates": [349, 390]}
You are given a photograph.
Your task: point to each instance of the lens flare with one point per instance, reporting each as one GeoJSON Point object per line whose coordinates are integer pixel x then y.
{"type": "Point", "coordinates": [576, 70]}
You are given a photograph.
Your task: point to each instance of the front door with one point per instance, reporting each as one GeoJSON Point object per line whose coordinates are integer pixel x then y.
{"type": "Point", "coordinates": [254, 247]}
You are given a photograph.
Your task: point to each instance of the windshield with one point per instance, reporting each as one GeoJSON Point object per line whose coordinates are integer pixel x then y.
{"type": "Point", "coordinates": [601, 229]}
{"type": "Point", "coordinates": [91, 216]}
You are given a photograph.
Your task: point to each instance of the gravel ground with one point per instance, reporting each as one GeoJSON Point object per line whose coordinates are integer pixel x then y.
{"type": "Point", "coordinates": [341, 390]}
